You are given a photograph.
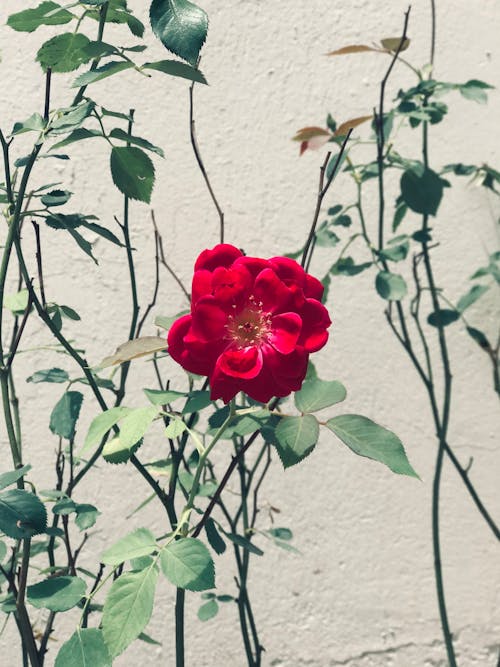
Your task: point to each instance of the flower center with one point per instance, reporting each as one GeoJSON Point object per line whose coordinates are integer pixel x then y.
{"type": "Point", "coordinates": [250, 326]}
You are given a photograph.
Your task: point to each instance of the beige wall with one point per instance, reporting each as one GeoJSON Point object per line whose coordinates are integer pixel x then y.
{"type": "Point", "coordinates": [362, 591]}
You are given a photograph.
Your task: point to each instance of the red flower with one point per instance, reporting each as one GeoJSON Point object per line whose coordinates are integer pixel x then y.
{"type": "Point", "coordinates": [252, 325]}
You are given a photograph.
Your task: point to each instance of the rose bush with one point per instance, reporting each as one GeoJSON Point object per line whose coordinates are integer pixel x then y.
{"type": "Point", "coordinates": [252, 326]}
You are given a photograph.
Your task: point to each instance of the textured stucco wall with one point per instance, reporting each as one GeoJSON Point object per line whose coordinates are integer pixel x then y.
{"type": "Point", "coordinates": [362, 591]}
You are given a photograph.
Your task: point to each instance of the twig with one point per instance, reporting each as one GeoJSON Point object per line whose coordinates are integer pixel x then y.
{"type": "Point", "coordinates": [196, 150]}
{"type": "Point", "coordinates": [156, 287]}
{"type": "Point", "coordinates": [165, 263]}
{"type": "Point", "coordinates": [39, 262]}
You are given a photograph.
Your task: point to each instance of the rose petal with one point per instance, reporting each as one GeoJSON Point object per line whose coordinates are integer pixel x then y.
{"type": "Point", "coordinates": [313, 288]}
{"type": "Point", "coordinates": [221, 255]}
{"type": "Point", "coordinates": [254, 265]}
{"type": "Point", "coordinates": [288, 270]}
{"type": "Point", "coordinates": [201, 285]}
{"type": "Point", "coordinates": [244, 363]}
{"type": "Point", "coordinates": [209, 320]}
{"type": "Point", "coordinates": [231, 286]}
{"type": "Point", "coordinates": [175, 338]}
{"type": "Point", "coordinates": [285, 332]}
{"type": "Point", "coordinates": [271, 292]}
{"type": "Point", "coordinates": [315, 321]}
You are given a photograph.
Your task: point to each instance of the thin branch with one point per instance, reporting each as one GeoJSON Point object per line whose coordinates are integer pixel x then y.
{"type": "Point", "coordinates": [39, 262]}
{"type": "Point", "coordinates": [165, 263]}
{"type": "Point", "coordinates": [157, 284]}
{"type": "Point", "coordinates": [196, 150]}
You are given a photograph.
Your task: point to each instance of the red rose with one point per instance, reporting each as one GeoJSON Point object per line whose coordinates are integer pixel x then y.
{"type": "Point", "coordinates": [252, 325]}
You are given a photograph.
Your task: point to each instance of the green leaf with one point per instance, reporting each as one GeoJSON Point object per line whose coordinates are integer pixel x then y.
{"type": "Point", "coordinates": [135, 424]}
{"type": "Point", "coordinates": [395, 251]}
{"type": "Point", "coordinates": [366, 438]}
{"type": "Point", "coordinates": [479, 337]}
{"type": "Point", "coordinates": [187, 564]}
{"type": "Point", "coordinates": [474, 90]}
{"type": "Point", "coordinates": [35, 123]}
{"type": "Point", "coordinates": [69, 222]}
{"type": "Point", "coordinates": [64, 53]}
{"type": "Point", "coordinates": [102, 424]}
{"type": "Point", "coordinates": [3, 551]}
{"type": "Point", "coordinates": [208, 610]}
{"type": "Point", "coordinates": [45, 14]}
{"type": "Point", "coordinates": [114, 451]}
{"type": "Point", "coordinates": [8, 478]}
{"type": "Point", "coordinates": [296, 437]}
{"type": "Point", "coordinates": [140, 542]}
{"type": "Point", "coordinates": [100, 49]}
{"type": "Point", "coordinates": [175, 68]}
{"type": "Point", "coordinates": [22, 514]}
{"type": "Point", "coordinates": [101, 73]}
{"type": "Point", "coordinates": [214, 538]}
{"type": "Point", "coordinates": [71, 117]}
{"type": "Point", "coordinates": [244, 543]}
{"type": "Point", "coordinates": [85, 648]}
{"type": "Point", "coordinates": [443, 317]}
{"type": "Point", "coordinates": [181, 26]}
{"type": "Point", "coordinates": [159, 397]}
{"type": "Point", "coordinates": [64, 506]}
{"type": "Point", "coordinates": [399, 213]}
{"type": "Point", "coordinates": [281, 533]}
{"type": "Point", "coordinates": [65, 414]}
{"type": "Point", "coordinates": [55, 197]}
{"type": "Point", "coordinates": [77, 135]}
{"type": "Point", "coordinates": [57, 593]}
{"type": "Point", "coordinates": [17, 303]}
{"type": "Point", "coordinates": [475, 293]}
{"type": "Point", "coordinates": [317, 394]}
{"type": "Point", "coordinates": [118, 133]}
{"type": "Point", "coordinates": [175, 428]}
{"type": "Point", "coordinates": [198, 400]}
{"type": "Point", "coordinates": [86, 516]}
{"type": "Point", "coordinates": [345, 266]}
{"type": "Point", "coordinates": [133, 172]}
{"type": "Point", "coordinates": [422, 192]}
{"type": "Point", "coordinates": [128, 608]}
{"type": "Point", "coordinates": [390, 286]}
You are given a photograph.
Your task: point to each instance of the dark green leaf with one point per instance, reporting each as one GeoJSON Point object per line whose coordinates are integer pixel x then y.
{"type": "Point", "coordinates": [101, 72]}
{"type": "Point", "coordinates": [68, 312]}
{"type": "Point", "coordinates": [244, 543]}
{"type": "Point", "coordinates": [214, 538]}
{"type": "Point", "coordinates": [208, 610]}
{"type": "Point", "coordinates": [51, 375]}
{"type": "Point", "coordinates": [342, 221]}
{"type": "Point", "coordinates": [22, 514]}
{"type": "Point", "coordinates": [8, 478]}
{"type": "Point", "coordinates": [64, 506]}
{"type": "Point", "coordinates": [45, 14]}
{"type": "Point", "coordinates": [187, 564]}
{"type": "Point", "coordinates": [366, 438]}
{"type": "Point", "coordinates": [115, 452]}
{"type": "Point", "coordinates": [175, 68]}
{"type": "Point", "coordinates": [118, 133]}
{"type": "Point", "coordinates": [55, 197]}
{"type": "Point", "coordinates": [65, 414]}
{"type": "Point", "coordinates": [479, 337]}
{"type": "Point", "coordinates": [197, 400]}
{"type": "Point", "coordinates": [57, 593]}
{"type": "Point", "coordinates": [133, 172]}
{"type": "Point", "coordinates": [475, 90]}
{"type": "Point", "coordinates": [181, 26]}
{"type": "Point", "coordinates": [443, 317]}
{"type": "Point", "coordinates": [396, 251]}
{"type": "Point", "coordinates": [422, 193]}
{"type": "Point", "coordinates": [390, 286]}
{"type": "Point", "coordinates": [345, 266]}
{"type": "Point", "coordinates": [128, 608]}
{"type": "Point", "coordinates": [317, 394]}
{"type": "Point", "coordinates": [64, 53]}
{"type": "Point", "coordinates": [296, 437]}
{"type": "Point", "coordinates": [281, 533]}
{"type": "Point", "coordinates": [399, 213]}
{"type": "Point", "coordinates": [85, 648]}
{"type": "Point", "coordinates": [99, 49]}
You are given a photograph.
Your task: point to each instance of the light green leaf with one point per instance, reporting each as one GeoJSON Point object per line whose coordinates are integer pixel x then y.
{"type": "Point", "coordinates": [102, 424]}
{"type": "Point", "coordinates": [85, 648]}
{"type": "Point", "coordinates": [390, 286]}
{"type": "Point", "coordinates": [45, 14]}
{"type": "Point", "coordinates": [133, 172]}
{"type": "Point", "coordinates": [159, 397]}
{"type": "Point", "coordinates": [71, 117]}
{"type": "Point", "coordinates": [77, 135]}
{"type": "Point", "coordinates": [133, 349]}
{"type": "Point", "coordinates": [86, 516]}
{"type": "Point", "coordinates": [114, 451]}
{"type": "Point", "coordinates": [475, 90]}
{"type": "Point", "coordinates": [317, 394]}
{"type": "Point", "coordinates": [35, 123]}
{"type": "Point", "coordinates": [140, 542]}
{"type": "Point", "coordinates": [187, 564]}
{"type": "Point", "coordinates": [64, 53]}
{"type": "Point", "coordinates": [296, 437]}
{"type": "Point", "coordinates": [118, 133]}
{"type": "Point", "coordinates": [198, 400]}
{"type": "Point", "coordinates": [175, 68]}
{"type": "Point", "coordinates": [8, 478]}
{"type": "Point", "coordinates": [475, 293]}
{"type": "Point", "coordinates": [101, 73]}
{"type": "Point", "coordinates": [175, 428]}
{"type": "Point", "coordinates": [17, 303]}
{"type": "Point", "coordinates": [135, 425]}
{"type": "Point", "coordinates": [22, 514]}
{"type": "Point", "coordinates": [57, 593]}
{"type": "Point", "coordinates": [366, 438]}
{"type": "Point", "coordinates": [208, 610]}
{"type": "Point", "coordinates": [181, 26]}
{"type": "Point", "coordinates": [128, 608]}
{"type": "Point", "coordinates": [3, 551]}
{"type": "Point", "coordinates": [65, 414]}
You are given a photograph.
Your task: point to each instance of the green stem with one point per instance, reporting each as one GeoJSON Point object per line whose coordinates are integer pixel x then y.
{"type": "Point", "coordinates": [24, 620]}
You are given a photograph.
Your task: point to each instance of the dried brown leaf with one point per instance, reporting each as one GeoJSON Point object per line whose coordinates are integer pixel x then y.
{"type": "Point", "coordinates": [344, 128]}
{"type": "Point", "coordinates": [352, 48]}
{"type": "Point", "coordinates": [392, 43]}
